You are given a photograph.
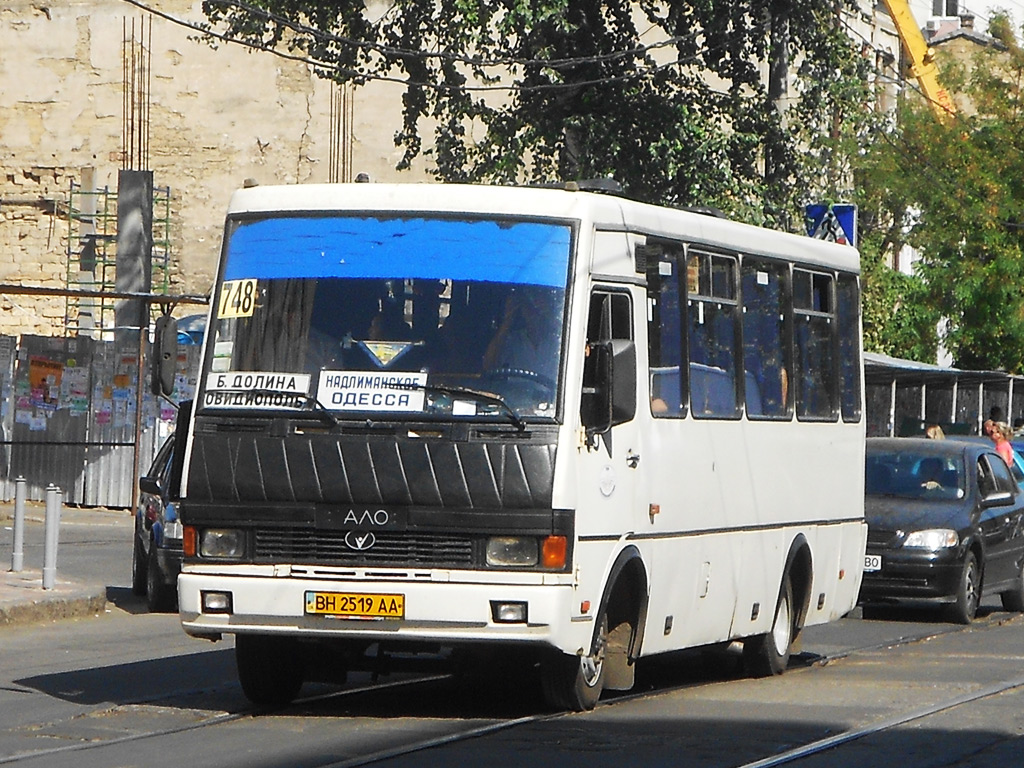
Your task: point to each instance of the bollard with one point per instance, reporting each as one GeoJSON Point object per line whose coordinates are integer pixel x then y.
{"type": "Point", "coordinates": [51, 535]}
{"type": "Point", "coordinates": [18, 553]}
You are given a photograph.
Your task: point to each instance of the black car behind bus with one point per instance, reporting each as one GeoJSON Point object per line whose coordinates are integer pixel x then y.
{"type": "Point", "coordinates": [944, 525]}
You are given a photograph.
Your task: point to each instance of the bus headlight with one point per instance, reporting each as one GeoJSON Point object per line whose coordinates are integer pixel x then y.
{"type": "Point", "coordinates": [507, 551]}
{"type": "Point", "coordinates": [221, 542]}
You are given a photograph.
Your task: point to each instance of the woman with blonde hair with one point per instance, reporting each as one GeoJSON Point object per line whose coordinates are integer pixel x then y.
{"type": "Point", "coordinates": [1001, 434]}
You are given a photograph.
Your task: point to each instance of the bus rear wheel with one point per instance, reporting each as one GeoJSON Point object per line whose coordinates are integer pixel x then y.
{"type": "Point", "coordinates": [768, 654]}
{"type": "Point", "coordinates": [575, 682]}
{"type": "Point", "coordinates": [269, 668]}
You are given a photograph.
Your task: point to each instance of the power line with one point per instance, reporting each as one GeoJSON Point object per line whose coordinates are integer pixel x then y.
{"type": "Point", "coordinates": [504, 61]}
{"type": "Point", "coordinates": [481, 63]}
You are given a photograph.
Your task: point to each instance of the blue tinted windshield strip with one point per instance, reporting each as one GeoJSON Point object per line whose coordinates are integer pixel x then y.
{"type": "Point", "coordinates": [298, 247]}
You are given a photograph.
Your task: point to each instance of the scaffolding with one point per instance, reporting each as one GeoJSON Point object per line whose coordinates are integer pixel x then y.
{"type": "Point", "coordinates": [92, 256]}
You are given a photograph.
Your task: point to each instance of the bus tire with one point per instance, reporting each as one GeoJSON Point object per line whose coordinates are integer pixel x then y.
{"type": "Point", "coordinates": [269, 668]}
{"type": "Point", "coordinates": [575, 682]}
{"type": "Point", "coordinates": [768, 654]}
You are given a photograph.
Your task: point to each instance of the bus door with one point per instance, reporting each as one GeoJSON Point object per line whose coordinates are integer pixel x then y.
{"type": "Point", "coordinates": [611, 464]}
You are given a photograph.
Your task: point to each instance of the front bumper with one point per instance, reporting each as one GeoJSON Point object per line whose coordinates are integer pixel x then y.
{"type": "Point", "coordinates": [445, 612]}
{"type": "Point", "coordinates": [914, 574]}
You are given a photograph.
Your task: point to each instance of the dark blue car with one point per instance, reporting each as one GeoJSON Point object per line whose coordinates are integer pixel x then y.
{"type": "Point", "coordinates": [157, 543]}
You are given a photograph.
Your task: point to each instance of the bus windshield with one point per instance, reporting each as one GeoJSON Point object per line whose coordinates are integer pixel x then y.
{"type": "Point", "coordinates": [390, 316]}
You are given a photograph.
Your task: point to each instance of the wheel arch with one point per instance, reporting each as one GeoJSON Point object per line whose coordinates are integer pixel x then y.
{"type": "Point", "coordinates": [799, 570]}
{"type": "Point", "coordinates": [625, 600]}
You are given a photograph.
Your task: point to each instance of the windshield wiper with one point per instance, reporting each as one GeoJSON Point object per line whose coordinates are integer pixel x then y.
{"type": "Point", "coordinates": [474, 394]}
{"type": "Point", "coordinates": [306, 402]}
{"type": "Point", "coordinates": [319, 410]}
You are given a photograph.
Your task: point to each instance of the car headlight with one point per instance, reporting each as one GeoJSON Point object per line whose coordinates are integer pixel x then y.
{"type": "Point", "coordinates": [936, 538]}
{"type": "Point", "coordinates": [512, 551]}
{"type": "Point", "coordinates": [221, 542]}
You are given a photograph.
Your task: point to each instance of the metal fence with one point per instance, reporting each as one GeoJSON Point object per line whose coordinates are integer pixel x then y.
{"type": "Point", "coordinates": [72, 415]}
{"type": "Point", "coordinates": [903, 396]}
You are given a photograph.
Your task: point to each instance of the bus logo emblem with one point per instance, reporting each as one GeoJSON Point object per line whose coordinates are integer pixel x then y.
{"type": "Point", "coordinates": [359, 541]}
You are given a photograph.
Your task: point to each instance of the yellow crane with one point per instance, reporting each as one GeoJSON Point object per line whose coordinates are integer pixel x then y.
{"type": "Point", "coordinates": [921, 59]}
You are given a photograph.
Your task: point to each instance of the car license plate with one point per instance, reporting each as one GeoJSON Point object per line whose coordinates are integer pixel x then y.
{"type": "Point", "coordinates": [354, 605]}
{"type": "Point", "coordinates": [872, 563]}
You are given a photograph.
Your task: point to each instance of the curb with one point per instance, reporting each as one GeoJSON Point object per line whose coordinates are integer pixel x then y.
{"type": "Point", "coordinates": [24, 601]}
{"type": "Point", "coordinates": [52, 609]}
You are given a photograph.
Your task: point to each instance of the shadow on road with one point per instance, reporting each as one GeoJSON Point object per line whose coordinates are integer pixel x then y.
{"type": "Point", "coordinates": [172, 681]}
{"type": "Point", "coordinates": [123, 599]}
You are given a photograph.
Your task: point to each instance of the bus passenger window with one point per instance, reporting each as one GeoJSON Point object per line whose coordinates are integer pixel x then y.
{"type": "Point", "coordinates": [712, 315]}
{"type": "Point", "coordinates": [814, 364]}
{"type": "Point", "coordinates": [665, 334]}
{"type": "Point", "coordinates": [848, 318]}
{"type": "Point", "coordinates": [767, 337]}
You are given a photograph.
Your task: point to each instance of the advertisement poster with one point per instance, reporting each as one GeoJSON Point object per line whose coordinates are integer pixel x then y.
{"type": "Point", "coordinates": [44, 377]}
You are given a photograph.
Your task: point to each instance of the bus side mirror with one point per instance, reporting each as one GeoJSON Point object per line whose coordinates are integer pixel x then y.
{"type": "Point", "coordinates": [164, 359]}
{"type": "Point", "coordinates": [623, 381]}
{"type": "Point", "coordinates": [609, 385]}
{"type": "Point", "coordinates": [178, 450]}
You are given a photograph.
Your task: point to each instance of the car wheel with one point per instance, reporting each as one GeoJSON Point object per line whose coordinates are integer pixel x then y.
{"type": "Point", "coordinates": [270, 669]}
{"type": "Point", "coordinates": [159, 597]}
{"type": "Point", "coordinates": [138, 568]}
{"type": "Point", "coordinates": [1013, 599]}
{"type": "Point", "coordinates": [968, 594]}
{"type": "Point", "coordinates": [768, 654]}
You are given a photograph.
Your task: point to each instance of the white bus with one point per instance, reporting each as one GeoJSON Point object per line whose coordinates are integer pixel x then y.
{"type": "Point", "coordinates": [546, 424]}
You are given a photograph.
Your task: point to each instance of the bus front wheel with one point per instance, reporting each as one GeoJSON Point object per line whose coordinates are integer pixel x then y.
{"type": "Point", "coordinates": [269, 668]}
{"type": "Point", "coordinates": [575, 682]}
{"type": "Point", "coordinates": [768, 654]}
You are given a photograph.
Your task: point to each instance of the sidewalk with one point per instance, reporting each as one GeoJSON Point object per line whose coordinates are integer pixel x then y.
{"type": "Point", "coordinates": [22, 597]}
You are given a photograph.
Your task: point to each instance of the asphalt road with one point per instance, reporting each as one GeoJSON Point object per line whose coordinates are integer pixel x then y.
{"type": "Point", "coordinates": [129, 688]}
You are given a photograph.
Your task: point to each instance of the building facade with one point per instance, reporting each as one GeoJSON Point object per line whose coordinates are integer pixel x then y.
{"type": "Point", "coordinates": [202, 119]}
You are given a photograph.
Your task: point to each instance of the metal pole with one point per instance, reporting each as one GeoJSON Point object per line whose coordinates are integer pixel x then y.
{"type": "Point", "coordinates": [140, 399]}
{"type": "Point", "coordinates": [51, 536]}
{"type": "Point", "coordinates": [18, 553]}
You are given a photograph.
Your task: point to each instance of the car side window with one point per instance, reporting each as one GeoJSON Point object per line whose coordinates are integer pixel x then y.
{"type": "Point", "coordinates": [986, 480]}
{"type": "Point", "coordinates": [994, 475]}
{"type": "Point", "coordinates": [1001, 474]}
{"type": "Point", "coordinates": [160, 469]}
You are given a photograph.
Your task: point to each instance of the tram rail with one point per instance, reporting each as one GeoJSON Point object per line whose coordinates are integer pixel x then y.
{"type": "Point", "coordinates": [460, 729]}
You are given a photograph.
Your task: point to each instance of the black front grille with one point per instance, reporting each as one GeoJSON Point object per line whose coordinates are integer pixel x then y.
{"type": "Point", "coordinates": [884, 539]}
{"type": "Point", "coordinates": [300, 545]}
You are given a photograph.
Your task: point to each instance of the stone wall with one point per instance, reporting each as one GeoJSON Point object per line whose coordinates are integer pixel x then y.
{"type": "Point", "coordinates": [217, 117]}
{"type": "Point", "coordinates": [33, 238]}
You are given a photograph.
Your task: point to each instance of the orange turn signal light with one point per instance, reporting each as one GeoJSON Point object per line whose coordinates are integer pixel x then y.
{"type": "Point", "coordinates": [189, 541]}
{"type": "Point", "coordinates": [553, 552]}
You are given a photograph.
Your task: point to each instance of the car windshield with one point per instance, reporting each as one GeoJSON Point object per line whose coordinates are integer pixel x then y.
{"type": "Point", "coordinates": [369, 316]}
{"type": "Point", "coordinates": [909, 474]}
